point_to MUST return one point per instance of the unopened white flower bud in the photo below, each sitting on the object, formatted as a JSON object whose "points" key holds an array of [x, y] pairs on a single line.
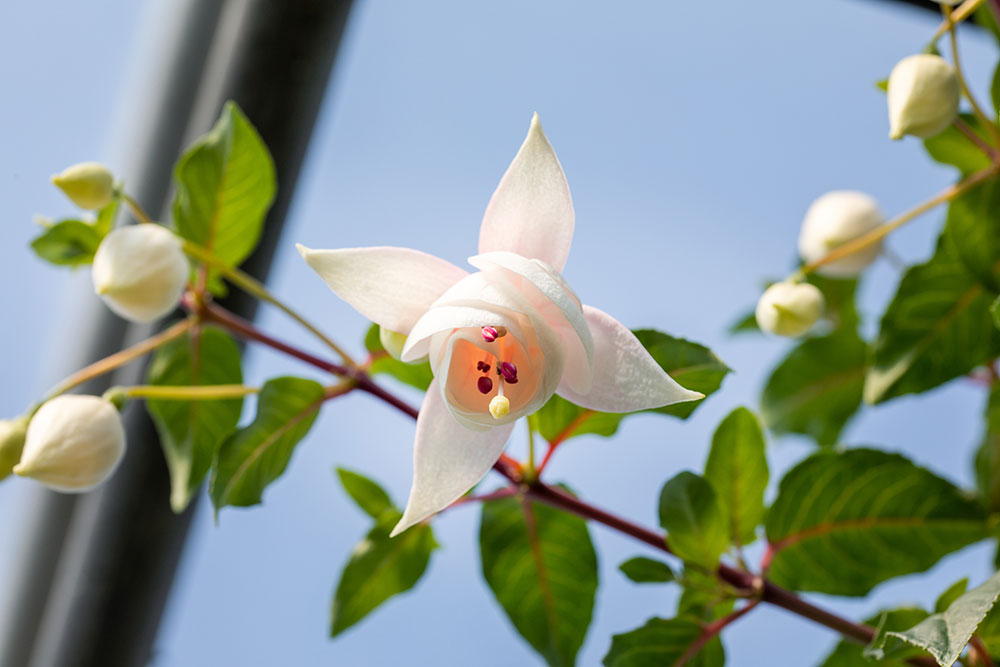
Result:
{"points": [[140, 272], [392, 341], [89, 185], [11, 443], [831, 221], [789, 309], [73, 443], [923, 96]]}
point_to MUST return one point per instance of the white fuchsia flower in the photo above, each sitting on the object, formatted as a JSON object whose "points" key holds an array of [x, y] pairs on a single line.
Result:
{"points": [[789, 309], [73, 443], [140, 272], [500, 341]]}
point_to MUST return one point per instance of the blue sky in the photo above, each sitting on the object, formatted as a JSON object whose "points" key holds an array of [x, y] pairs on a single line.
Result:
{"points": [[693, 141]]}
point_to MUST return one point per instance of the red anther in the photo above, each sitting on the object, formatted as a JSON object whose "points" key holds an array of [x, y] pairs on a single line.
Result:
{"points": [[490, 334], [508, 371], [485, 385]]}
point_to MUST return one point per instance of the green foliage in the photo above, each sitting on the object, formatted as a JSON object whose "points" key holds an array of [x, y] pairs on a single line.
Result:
{"points": [[67, 243], [845, 521], [945, 634], [191, 432], [987, 461], [703, 596], [818, 387], [849, 654], [936, 328], [380, 567], [225, 184], [692, 365], [745, 324], [995, 89], [951, 594], [737, 469], [257, 454], [643, 570], [953, 148], [541, 566], [696, 523], [660, 643], [368, 495], [973, 230], [415, 375]]}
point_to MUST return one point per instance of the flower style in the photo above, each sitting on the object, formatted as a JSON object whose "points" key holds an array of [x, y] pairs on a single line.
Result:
{"points": [[500, 341]]}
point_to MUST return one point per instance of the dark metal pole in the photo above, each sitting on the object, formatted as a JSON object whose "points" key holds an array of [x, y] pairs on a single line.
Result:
{"points": [[98, 568]]}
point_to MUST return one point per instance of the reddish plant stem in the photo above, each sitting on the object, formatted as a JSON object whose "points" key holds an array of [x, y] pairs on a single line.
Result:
{"points": [[979, 651], [713, 629], [974, 137], [563, 436], [511, 469]]}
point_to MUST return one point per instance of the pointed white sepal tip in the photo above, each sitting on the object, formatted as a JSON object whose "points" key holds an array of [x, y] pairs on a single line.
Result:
{"points": [[303, 250]]}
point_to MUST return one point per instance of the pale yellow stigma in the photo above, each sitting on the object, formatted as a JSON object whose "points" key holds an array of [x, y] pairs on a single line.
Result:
{"points": [[500, 407]]}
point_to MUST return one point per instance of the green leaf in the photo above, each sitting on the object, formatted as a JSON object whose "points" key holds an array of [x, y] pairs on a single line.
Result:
{"points": [[643, 570], [694, 366], [849, 654], [106, 218], [987, 461], [953, 148], [937, 328], [973, 230], [817, 388], [225, 184], [845, 521], [541, 566], [944, 635], [257, 454], [745, 324], [380, 567], [737, 469], [995, 89], [368, 495], [662, 643], [67, 243], [695, 521], [415, 375], [995, 312], [703, 596], [953, 592], [192, 431]]}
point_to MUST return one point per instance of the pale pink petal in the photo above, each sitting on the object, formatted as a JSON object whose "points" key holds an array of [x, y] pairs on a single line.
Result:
{"points": [[549, 293], [390, 286], [448, 459], [626, 377], [531, 212]]}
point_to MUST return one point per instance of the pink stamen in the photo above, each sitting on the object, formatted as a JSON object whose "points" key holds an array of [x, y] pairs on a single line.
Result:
{"points": [[508, 371], [483, 366], [490, 334], [485, 385]]}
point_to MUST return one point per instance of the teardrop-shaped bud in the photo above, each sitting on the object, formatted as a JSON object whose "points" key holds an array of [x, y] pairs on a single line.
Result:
{"points": [[831, 221], [789, 309], [923, 95], [12, 433], [140, 272], [89, 185], [392, 341], [73, 443]]}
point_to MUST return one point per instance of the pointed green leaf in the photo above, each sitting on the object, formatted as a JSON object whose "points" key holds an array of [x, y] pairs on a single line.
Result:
{"points": [[745, 324], [541, 566], [845, 521], [945, 634], [737, 469], [67, 243], [415, 375], [973, 230], [192, 431], [953, 592], [987, 462], [692, 365], [380, 567], [818, 387], [646, 570], [849, 654], [662, 643], [696, 524], [937, 328], [257, 454], [953, 148], [703, 596], [369, 496], [225, 184]]}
